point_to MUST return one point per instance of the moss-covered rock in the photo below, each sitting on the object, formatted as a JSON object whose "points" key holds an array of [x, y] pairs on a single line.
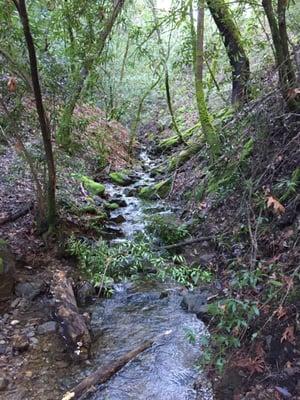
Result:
{"points": [[92, 186], [159, 190], [111, 206], [120, 178]]}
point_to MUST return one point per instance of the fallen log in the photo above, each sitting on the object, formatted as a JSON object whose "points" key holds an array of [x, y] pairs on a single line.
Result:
{"points": [[103, 374], [73, 324], [187, 242], [14, 216]]}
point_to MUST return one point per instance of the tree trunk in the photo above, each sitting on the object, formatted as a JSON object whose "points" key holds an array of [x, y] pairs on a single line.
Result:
{"points": [[44, 123], [287, 77], [209, 132], [235, 50], [64, 131]]}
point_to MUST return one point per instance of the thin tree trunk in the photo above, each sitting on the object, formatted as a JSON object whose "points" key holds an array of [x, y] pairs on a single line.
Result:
{"points": [[44, 123], [64, 132], [209, 132], [290, 73], [235, 50]]}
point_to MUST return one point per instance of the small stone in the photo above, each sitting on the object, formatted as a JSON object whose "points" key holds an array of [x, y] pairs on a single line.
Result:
{"points": [[3, 383], [14, 322], [20, 343], [61, 364], [34, 340], [29, 290], [3, 349], [15, 303], [47, 327], [28, 374]]}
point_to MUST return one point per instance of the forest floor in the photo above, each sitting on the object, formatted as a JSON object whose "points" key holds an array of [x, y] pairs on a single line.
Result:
{"points": [[254, 254]]}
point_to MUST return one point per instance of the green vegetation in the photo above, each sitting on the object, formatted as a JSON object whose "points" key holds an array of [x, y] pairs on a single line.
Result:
{"points": [[92, 186]]}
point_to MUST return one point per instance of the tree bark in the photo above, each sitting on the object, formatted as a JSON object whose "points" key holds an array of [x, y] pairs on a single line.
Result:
{"points": [[73, 324], [211, 136], [44, 123], [287, 77], [235, 50]]}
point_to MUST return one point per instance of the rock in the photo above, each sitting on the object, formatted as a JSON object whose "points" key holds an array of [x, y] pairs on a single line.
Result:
{"points": [[3, 383], [119, 219], [7, 271], [206, 259], [121, 178], [30, 290], [47, 327], [130, 192], [3, 349], [120, 202], [92, 186], [20, 343], [84, 293], [196, 303]]}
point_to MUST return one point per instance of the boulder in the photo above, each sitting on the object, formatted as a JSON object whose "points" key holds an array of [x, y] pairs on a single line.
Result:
{"points": [[7, 271]]}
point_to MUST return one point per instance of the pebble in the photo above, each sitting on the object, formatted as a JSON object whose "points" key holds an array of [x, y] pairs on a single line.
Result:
{"points": [[14, 322], [20, 343]]}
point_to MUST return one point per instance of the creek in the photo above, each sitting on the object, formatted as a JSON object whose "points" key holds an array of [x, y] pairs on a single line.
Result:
{"points": [[144, 310]]}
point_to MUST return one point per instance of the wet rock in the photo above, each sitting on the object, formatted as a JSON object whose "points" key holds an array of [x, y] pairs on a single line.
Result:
{"points": [[119, 219], [7, 271], [20, 343], [47, 327], [29, 290], [130, 192], [196, 303], [85, 292], [3, 383], [120, 202]]}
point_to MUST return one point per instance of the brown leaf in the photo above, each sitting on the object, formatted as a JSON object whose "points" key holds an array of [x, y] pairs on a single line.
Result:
{"points": [[280, 312], [12, 84], [289, 335], [293, 93], [276, 205]]}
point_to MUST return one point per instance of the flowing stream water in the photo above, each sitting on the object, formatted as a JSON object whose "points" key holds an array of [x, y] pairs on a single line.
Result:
{"points": [[141, 311]]}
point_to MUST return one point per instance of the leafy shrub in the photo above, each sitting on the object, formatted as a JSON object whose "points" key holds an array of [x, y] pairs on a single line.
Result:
{"points": [[167, 229]]}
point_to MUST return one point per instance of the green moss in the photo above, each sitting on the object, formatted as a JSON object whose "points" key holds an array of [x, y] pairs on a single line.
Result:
{"points": [[92, 186], [119, 178], [184, 156], [147, 193], [160, 189], [111, 206], [89, 209], [174, 140]]}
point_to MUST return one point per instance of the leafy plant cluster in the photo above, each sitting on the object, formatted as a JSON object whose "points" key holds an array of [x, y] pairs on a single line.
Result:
{"points": [[167, 229], [103, 264]]}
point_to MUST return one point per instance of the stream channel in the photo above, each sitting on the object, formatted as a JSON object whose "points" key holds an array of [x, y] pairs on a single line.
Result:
{"points": [[141, 311]]}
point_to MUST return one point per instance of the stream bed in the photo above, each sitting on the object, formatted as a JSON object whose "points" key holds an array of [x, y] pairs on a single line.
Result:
{"points": [[144, 310]]}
